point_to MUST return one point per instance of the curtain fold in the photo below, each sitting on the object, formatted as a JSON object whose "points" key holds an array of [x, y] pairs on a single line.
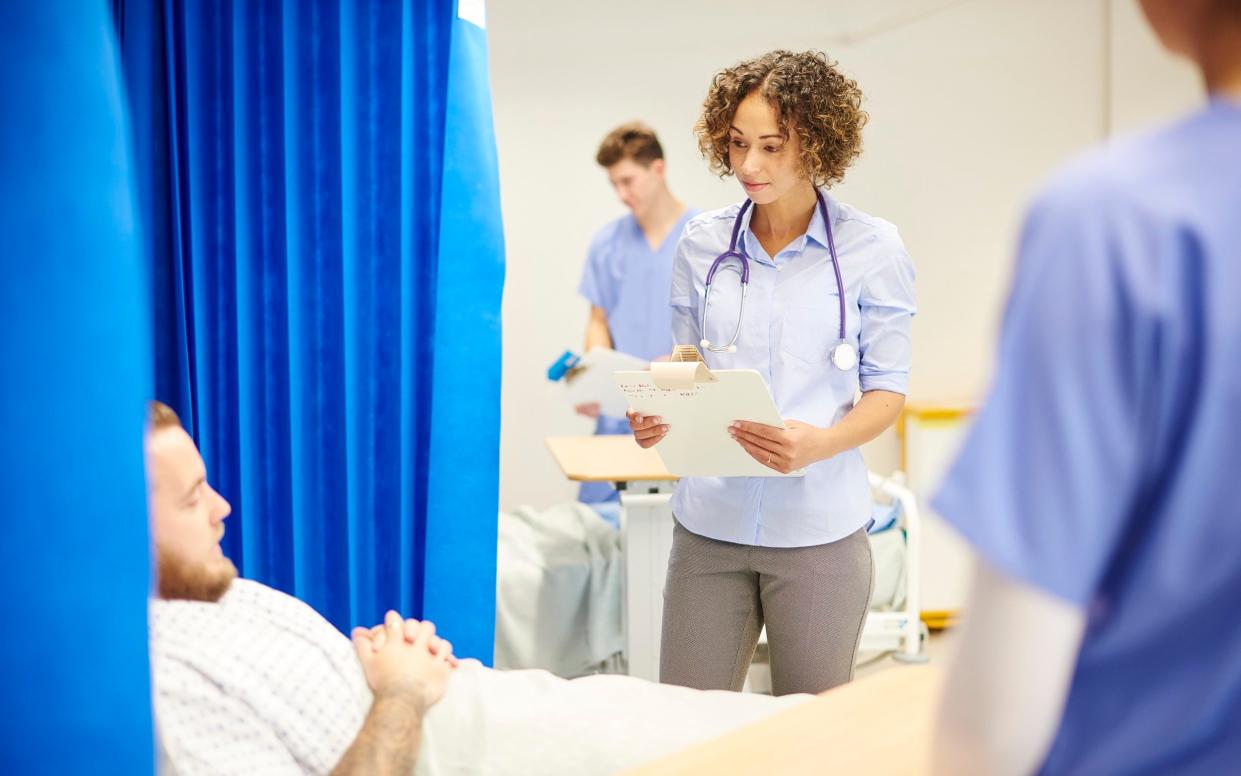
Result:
{"points": [[467, 323], [295, 184]]}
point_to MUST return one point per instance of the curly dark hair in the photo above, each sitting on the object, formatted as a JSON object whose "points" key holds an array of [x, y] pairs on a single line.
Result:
{"points": [[809, 95]]}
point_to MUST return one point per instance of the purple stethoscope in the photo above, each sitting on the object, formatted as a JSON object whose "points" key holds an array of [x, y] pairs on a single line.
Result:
{"points": [[844, 355]]}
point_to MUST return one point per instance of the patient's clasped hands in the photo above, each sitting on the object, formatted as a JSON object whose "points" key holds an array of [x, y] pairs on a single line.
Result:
{"points": [[404, 658]]}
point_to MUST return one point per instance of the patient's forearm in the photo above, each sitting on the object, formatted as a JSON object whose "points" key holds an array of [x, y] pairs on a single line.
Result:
{"points": [[389, 739]]}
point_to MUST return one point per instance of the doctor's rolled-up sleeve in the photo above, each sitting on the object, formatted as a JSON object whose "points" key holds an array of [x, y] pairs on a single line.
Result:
{"points": [[887, 305]]}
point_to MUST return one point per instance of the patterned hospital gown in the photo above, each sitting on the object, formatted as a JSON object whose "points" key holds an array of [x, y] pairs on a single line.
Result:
{"points": [[257, 683]]}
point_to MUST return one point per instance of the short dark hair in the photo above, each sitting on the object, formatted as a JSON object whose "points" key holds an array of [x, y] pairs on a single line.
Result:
{"points": [[634, 140], [160, 416]]}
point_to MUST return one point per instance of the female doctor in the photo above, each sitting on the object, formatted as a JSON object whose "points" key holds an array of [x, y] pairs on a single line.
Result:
{"points": [[828, 302]]}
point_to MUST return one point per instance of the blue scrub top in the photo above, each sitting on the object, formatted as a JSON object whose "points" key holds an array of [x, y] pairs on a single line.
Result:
{"points": [[791, 324], [1102, 467], [630, 282]]}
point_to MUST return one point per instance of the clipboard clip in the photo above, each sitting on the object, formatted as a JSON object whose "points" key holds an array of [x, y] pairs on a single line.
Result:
{"points": [[686, 369], [682, 353]]}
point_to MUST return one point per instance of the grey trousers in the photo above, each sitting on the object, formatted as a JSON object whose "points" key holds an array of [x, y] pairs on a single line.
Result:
{"points": [[718, 595]]}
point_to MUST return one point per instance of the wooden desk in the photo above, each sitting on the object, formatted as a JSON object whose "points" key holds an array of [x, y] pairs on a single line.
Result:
{"points": [[608, 458], [646, 531], [878, 725]]}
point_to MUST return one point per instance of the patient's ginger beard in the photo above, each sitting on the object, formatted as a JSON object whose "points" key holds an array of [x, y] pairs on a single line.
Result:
{"points": [[182, 580]]}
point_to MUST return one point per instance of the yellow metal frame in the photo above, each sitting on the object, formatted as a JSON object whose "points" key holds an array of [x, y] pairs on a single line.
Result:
{"points": [[940, 619], [928, 413], [931, 414]]}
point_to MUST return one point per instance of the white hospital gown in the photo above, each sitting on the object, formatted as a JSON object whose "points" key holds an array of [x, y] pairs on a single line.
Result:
{"points": [[258, 683]]}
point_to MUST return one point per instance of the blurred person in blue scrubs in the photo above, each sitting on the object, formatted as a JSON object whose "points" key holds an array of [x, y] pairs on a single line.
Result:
{"points": [[1098, 482], [790, 554], [629, 267]]}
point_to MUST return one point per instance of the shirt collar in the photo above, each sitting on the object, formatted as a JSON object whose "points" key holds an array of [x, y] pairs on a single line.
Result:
{"points": [[817, 230]]}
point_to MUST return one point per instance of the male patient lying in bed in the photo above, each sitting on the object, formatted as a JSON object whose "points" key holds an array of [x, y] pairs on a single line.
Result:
{"points": [[250, 680]]}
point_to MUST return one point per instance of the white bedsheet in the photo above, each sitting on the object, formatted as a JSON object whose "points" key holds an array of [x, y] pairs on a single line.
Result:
{"points": [[888, 549], [558, 590], [528, 723]]}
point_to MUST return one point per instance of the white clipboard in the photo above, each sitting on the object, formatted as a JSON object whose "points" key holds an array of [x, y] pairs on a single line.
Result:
{"points": [[699, 405], [591, 380]]}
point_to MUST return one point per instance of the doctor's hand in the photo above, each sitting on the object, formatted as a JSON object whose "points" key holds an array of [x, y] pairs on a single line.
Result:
{"points": [[589, 409], [397, 667], [782, 449], [647, 429]]}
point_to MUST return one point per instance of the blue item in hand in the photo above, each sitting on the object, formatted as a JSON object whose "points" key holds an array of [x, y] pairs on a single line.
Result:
{"points": [[562, 366]]}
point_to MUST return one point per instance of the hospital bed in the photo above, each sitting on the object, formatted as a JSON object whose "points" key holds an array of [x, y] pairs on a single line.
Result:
{"points": [[646, 540], [892, 626], [897, 626]]}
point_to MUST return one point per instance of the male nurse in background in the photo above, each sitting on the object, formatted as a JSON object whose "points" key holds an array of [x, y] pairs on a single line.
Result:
{"points": [[628, 270]]}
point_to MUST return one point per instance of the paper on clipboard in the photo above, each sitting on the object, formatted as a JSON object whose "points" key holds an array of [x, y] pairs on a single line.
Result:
{"points": [[699, 413], [591, 380]]}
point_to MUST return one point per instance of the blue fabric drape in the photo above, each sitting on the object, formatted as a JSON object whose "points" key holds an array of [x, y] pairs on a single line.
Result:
{"points": [[470, 232], [312, 324], [75, 374]]}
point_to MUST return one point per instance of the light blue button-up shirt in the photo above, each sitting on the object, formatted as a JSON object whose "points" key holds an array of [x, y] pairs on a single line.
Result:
{"points": [[792, 322]]}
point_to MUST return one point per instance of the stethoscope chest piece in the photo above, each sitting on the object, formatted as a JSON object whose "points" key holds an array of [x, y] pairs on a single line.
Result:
{"points": [[844, 356]]}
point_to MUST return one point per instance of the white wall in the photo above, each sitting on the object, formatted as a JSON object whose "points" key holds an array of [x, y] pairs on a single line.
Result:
{"points": [[972, 103]]}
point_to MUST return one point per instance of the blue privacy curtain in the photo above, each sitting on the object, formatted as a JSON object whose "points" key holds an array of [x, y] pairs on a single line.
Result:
{"points": [[319, 183], [75, 373]]}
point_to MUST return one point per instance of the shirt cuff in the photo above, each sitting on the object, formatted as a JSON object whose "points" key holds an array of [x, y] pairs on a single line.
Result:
{"points": [[896, 382]]}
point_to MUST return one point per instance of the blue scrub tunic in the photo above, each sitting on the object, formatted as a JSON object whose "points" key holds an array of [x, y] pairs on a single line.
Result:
{"points": [[630, 282], [1101, 468]]}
